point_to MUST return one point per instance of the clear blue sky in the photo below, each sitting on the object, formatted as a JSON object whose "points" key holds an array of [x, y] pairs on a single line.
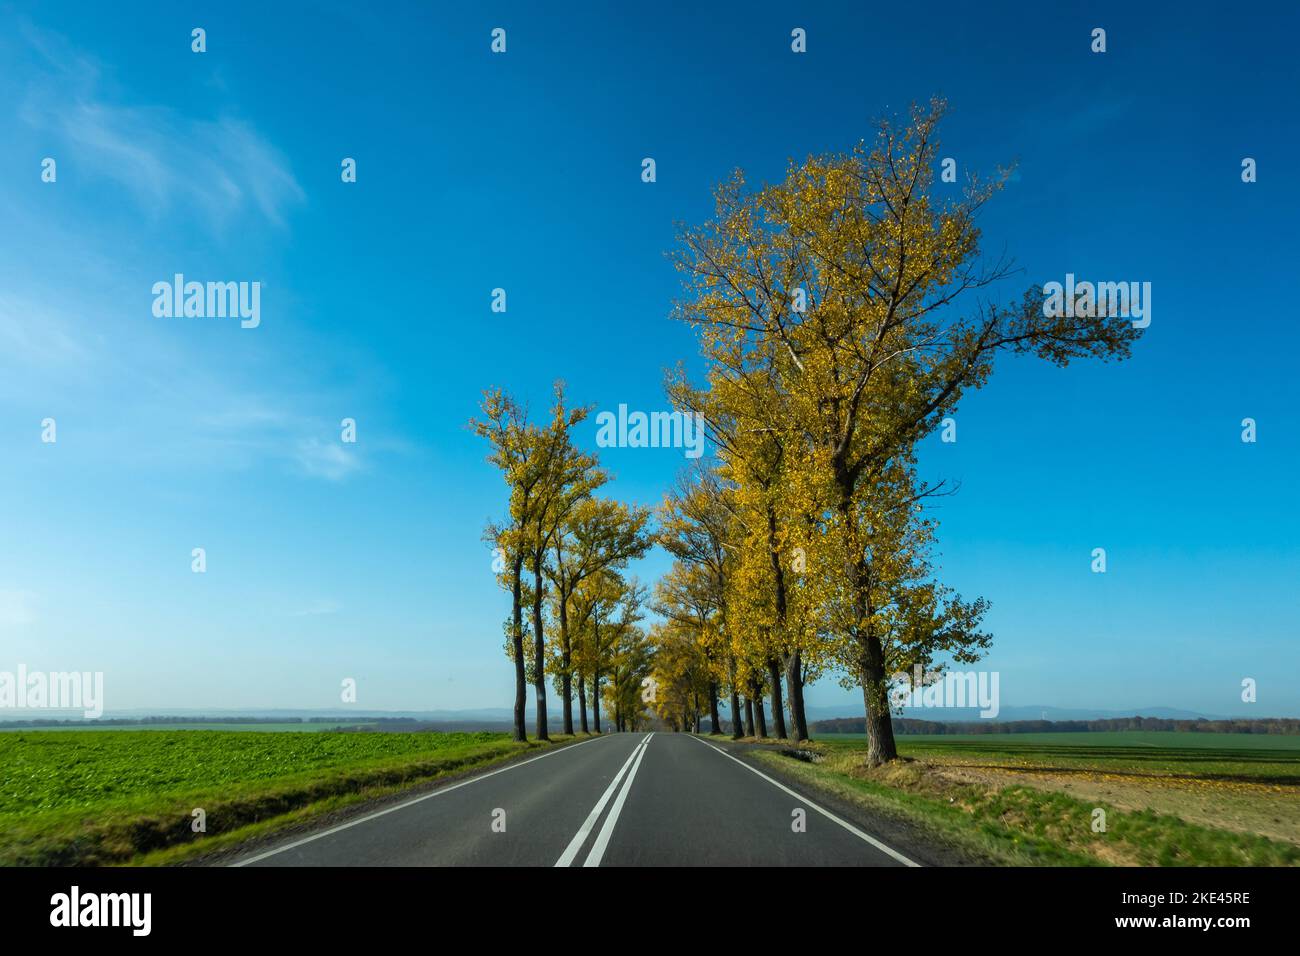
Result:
{"points": [[475, 171]]}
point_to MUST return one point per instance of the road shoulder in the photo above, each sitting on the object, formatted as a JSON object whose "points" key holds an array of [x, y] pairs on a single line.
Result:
{"points": [[891, 826]]}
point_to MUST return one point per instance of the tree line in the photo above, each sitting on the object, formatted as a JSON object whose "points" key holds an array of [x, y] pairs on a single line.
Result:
{"points": [[561, 552], [842, 314]]}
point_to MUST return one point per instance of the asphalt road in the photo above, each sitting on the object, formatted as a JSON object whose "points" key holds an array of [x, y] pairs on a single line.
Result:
{"points": [[619, 800]]}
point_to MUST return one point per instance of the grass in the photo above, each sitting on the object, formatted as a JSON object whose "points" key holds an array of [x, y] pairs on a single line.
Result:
{"points": [[286, 727], [1171, 799], [99, 797]]}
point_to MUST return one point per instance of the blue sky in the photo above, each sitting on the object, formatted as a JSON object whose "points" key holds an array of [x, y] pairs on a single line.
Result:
{"points": [[522, 171]]}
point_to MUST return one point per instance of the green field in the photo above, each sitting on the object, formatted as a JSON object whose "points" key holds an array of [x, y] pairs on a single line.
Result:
{"points": [[287, 726], [1169, 798], [91, 797]]}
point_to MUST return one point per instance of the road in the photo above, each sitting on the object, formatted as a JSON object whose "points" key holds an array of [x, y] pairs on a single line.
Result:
{"points": [[647, 799]]}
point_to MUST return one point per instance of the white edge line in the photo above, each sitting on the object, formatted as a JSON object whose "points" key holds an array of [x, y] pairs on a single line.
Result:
{"points": [[580, 837], [826, 813], [602, 839], [402, 806]]}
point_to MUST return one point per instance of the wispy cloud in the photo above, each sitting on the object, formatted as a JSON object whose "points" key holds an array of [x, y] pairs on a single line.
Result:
{"points": [[330, 460], [318, 609], [37, 344], [218, 166], [17, 608]]}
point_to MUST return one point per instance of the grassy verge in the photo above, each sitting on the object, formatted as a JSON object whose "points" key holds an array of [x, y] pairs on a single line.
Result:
{"points": [[103, 798], [1018, 824]]}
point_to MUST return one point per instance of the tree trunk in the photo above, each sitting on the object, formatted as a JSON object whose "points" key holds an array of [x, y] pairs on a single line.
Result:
{"points": [[716, 727], [758, 715], [794, 694], [778, 579], [539, 652], [582, 701], [749, 716], [595, 700], [881, 747], [566, 679], [517, 645], [778, 710], [875, 688], [737, 729]]}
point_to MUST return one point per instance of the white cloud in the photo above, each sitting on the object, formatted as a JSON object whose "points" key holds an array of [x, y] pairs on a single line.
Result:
{"points": [[218, 166], [17, 608], [330, 460]]}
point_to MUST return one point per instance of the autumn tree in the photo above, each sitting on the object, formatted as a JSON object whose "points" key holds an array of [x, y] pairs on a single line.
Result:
{"points": [[697, 526], [859, 293], [681, 676], [685, 598], [546, 476], [606, 605], [594, 536], [623, 653]]}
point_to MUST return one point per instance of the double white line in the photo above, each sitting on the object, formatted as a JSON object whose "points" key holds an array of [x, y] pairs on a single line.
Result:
{"points": [[607, 830]]}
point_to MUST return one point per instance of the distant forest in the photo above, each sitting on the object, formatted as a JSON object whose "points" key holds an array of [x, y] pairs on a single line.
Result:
{"points": [[909, 725]]}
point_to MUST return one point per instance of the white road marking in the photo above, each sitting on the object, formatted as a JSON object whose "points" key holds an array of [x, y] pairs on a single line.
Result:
{"points": [[602, 839], [402, 806], [579, 838], [826, 813]]}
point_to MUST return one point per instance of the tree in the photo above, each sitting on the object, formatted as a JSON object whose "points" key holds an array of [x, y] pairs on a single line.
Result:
{"points": [[848, 289], [681, 676], [545, 474], [596, 535], [605, 605], [697, 526], [683, 598]]}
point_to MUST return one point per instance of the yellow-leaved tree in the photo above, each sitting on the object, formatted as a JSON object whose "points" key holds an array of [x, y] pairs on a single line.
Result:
{"points": [[850, 300]]}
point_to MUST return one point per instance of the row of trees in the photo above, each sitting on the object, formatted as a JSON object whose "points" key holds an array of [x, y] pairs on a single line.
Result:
{"points": [[561, 552], [842, 314]]}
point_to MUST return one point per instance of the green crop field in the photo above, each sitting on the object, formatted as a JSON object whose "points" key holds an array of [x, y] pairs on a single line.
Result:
{"points": [[110, 796], [285, 727]]}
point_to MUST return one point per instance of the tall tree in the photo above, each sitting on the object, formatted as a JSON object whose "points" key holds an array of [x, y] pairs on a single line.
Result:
{"points": [[545, 475], [859, 293], [684, 597], [698, 528], [595, 535]]}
